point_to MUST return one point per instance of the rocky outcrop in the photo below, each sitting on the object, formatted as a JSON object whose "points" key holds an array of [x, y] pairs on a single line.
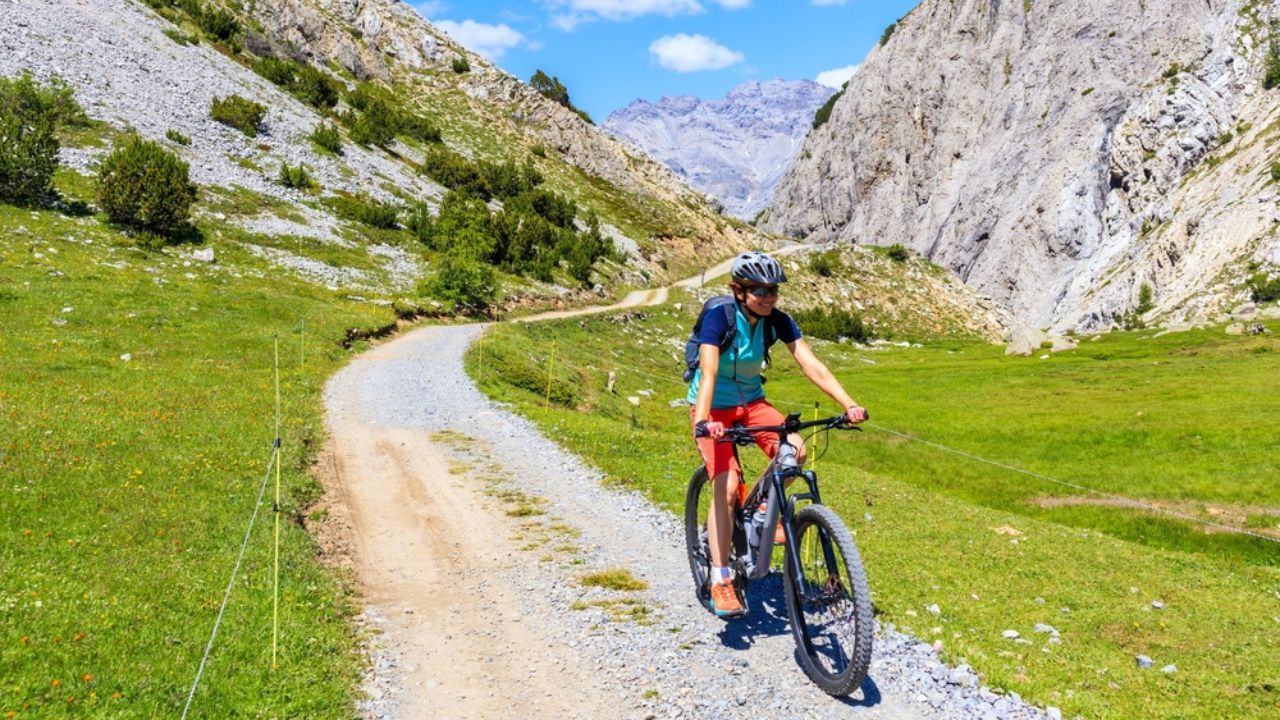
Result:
{"points": [[388, 40], [1056, 156], [734, 149]]}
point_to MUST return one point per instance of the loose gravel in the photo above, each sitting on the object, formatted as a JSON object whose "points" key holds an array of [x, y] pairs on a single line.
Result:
{"points": [[686, 663]]}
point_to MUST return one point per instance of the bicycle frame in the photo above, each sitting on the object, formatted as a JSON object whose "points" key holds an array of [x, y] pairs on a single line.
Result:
{"points": [[780, 505]]}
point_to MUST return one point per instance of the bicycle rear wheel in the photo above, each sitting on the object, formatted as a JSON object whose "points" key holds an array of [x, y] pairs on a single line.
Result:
{"points": [[697, 503], [828, 602]]}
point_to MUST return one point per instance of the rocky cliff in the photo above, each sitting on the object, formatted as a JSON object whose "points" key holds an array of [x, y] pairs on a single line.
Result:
{"points": [[734, 149], [1058, 156]]}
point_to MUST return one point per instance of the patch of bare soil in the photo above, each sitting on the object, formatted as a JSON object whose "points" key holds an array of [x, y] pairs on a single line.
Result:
{"points": [[1234, 516]]}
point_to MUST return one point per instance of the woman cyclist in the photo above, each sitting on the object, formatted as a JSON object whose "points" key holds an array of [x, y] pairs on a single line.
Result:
{"points": [[727, 389]]}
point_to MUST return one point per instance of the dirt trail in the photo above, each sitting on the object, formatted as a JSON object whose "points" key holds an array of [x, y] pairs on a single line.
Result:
{"points": [[441, 572], [428, 551]]}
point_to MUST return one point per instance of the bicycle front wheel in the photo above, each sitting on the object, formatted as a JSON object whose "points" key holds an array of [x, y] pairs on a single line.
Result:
{"points": [[828, 601]]}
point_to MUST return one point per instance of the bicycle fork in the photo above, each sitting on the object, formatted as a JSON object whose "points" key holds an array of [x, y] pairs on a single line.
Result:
{"points": [[779, 505]]}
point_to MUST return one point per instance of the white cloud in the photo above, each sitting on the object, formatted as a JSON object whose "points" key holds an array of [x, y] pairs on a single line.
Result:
{"points": [[733, 4], [430, 8], [491, 41], [572, 13], [836, 77], [691, 53]]}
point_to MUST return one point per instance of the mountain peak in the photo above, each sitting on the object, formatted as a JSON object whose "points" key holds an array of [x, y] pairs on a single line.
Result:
{"points": [[734, 148]]}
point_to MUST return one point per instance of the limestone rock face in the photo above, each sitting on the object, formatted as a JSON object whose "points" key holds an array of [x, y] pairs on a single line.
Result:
{"points": [[1057, 156], [734, 149]]}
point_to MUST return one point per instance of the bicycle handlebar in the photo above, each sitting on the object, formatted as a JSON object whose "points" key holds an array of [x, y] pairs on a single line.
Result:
{"points": [[791, 425]]}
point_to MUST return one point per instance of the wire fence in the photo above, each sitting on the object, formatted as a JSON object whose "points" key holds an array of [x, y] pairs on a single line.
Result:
{"points": [[593, 361], [273, 463]]}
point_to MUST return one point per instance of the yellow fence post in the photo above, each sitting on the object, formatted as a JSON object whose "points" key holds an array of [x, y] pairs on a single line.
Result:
{"points": [[814, 450], [550, 369]]}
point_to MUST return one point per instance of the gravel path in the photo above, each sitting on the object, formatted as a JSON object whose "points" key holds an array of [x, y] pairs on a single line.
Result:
{"points": [[685, 664]]}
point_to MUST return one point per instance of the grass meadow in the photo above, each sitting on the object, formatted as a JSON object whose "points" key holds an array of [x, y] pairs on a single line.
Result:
{"points": [[1183, 421], [136, 396]]}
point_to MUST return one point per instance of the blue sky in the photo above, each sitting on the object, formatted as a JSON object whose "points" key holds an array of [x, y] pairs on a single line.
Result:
{"points": [[610, 52]]}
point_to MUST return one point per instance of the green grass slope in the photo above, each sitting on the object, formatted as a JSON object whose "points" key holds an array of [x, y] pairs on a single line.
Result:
{"points": [[1179, 420], [137, 398]]}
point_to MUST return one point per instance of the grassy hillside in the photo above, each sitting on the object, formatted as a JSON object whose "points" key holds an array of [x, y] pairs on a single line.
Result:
{"points": [[1177, 420], [136, 392]]}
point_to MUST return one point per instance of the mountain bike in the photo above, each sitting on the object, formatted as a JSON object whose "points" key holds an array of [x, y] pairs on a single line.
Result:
{"points": [[828, 601]]}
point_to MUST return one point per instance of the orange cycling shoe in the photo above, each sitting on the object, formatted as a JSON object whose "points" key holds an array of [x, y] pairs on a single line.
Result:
{"points": [[724, 600]]}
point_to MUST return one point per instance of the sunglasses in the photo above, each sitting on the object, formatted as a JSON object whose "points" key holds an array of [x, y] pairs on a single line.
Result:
{"points": [[763, 291]]}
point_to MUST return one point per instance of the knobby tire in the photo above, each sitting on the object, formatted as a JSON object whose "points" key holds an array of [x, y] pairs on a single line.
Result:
{"points": [[833, 629]]}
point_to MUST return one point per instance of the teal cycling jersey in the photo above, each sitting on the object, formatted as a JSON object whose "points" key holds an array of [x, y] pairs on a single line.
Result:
{"points": [[738, 380]]}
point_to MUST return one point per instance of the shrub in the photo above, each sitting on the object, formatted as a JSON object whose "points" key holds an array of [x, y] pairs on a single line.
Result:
{"points": [[327, 137], [1144, 299], [29, 117], [240, 113], [376, 124], [1263, 288], [455, 172], [218, 23], [539, 150], [281, 72], [460, 65], [823, 114], [1271, 78], [316, 88], [833, 324], [462, 281], [826, 263], [551, 88], [144, 186], [1275, 172], [507, 180], [296, 177], [421, 222], [897, 253], [364, 209], [418, 128], [177, 137], [888, 32]]}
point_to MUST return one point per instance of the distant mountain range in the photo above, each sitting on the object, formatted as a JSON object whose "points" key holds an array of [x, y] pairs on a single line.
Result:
{"points": [[735, 149]]}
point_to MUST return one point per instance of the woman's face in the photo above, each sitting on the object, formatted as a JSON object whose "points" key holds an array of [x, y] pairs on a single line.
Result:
{"points": [[760, 299]]}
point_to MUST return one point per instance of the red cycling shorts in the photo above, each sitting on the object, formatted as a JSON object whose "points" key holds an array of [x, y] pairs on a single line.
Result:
{"points": [[718, 456]]}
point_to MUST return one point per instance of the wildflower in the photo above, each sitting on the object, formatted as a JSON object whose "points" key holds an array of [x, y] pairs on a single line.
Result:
{"points": [[88, 678], [25, 639], [115, 696], [55, 682]]}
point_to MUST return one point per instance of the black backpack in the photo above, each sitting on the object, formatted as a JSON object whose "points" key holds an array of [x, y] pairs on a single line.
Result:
{"points": [[729, 306]]}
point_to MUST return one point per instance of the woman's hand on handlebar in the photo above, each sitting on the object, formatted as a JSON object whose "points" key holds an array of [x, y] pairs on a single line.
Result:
{"points": [[708, 428], [856, 414]]}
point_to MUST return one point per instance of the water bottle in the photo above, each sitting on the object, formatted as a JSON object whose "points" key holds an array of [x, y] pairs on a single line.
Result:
{"points": [[756, 530]]}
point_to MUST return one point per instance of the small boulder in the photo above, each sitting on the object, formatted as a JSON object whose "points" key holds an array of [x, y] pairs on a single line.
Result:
{"points": [[1169, 669], [1235, 329], [1009, 634], [204, 255], [1144, 662], [1157, 604], [1064, 342], [1247, 311], [1024, 341]]}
